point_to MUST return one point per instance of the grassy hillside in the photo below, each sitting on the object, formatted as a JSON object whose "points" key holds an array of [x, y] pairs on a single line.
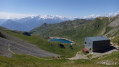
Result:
{"points": [[113, 30], [55, 47], [75, 30], [30, 61], [115, 40], [114, 27]]}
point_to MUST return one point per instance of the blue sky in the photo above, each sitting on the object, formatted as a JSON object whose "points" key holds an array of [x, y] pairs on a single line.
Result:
{"points": [[75, 8]]}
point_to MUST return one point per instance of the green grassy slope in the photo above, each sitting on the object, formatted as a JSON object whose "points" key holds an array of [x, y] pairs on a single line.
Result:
{"points": [[116, 40], [30, 61], [75, 30], [54, 47]]}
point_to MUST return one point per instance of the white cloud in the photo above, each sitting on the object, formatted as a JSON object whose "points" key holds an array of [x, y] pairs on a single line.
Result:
{"points": [[112, 14], [91, 16], [51, 16], [105, 15], [6, 15]]}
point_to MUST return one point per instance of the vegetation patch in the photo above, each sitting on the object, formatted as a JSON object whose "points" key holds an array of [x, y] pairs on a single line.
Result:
{"points": [[116, 40], [31, 61]]}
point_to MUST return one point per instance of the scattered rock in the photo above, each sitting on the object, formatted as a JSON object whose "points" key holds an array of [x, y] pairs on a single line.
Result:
{"points": [[107, 62]]}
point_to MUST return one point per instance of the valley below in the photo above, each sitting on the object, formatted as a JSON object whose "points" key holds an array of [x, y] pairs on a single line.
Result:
{"points": [[35, 49]]}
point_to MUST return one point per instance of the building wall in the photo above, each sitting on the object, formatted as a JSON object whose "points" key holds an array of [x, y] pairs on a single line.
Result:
{"points": [[93, 46], [100, 45], [88, 44]]}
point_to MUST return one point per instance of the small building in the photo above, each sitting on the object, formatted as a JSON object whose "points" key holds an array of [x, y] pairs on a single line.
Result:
{"points": [[98, 43]]}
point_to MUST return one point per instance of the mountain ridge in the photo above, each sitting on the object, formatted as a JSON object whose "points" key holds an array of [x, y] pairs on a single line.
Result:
{"points": [[75, 30], [28, 23]]}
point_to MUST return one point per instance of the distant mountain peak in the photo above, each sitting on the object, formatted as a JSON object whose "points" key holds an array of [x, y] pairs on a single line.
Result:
{"points": [[51, 17], [30, 22]]}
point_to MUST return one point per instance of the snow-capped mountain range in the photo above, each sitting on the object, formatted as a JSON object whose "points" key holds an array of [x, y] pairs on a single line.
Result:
{"points": [[24, 22], [28, 23]]}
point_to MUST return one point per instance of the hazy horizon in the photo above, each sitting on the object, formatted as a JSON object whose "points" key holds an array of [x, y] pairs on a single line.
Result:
{"points": [[64, 8]]}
